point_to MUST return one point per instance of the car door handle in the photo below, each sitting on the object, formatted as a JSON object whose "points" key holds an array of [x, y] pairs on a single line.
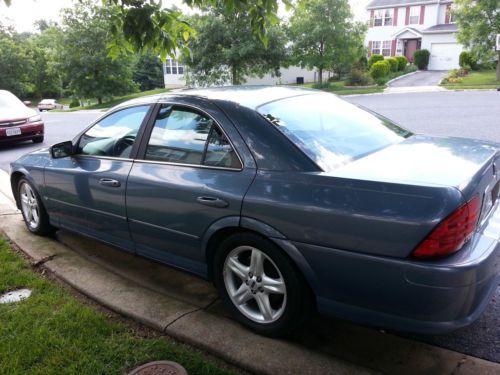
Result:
{"points": [[109, 182], [212, 202]]}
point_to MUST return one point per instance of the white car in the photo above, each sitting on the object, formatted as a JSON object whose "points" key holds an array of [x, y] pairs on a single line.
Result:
{"points": [[48, 104]]}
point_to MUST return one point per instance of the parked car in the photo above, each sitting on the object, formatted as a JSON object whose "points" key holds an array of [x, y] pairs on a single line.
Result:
{"points": [[48, 104], [287, 199], [17, 121]]}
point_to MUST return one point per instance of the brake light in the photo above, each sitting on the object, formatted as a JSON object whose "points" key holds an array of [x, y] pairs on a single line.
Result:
{"points": [[452, 233]]}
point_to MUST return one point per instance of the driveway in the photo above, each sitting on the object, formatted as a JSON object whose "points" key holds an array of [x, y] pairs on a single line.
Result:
{"points": [[420, 78]]}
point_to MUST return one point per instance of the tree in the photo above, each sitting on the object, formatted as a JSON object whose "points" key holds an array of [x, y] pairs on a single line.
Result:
{"points": [[14, 66], [324, 35], [146, 25], [478, 23], [90, 72], [148, 72], [225, 49]]}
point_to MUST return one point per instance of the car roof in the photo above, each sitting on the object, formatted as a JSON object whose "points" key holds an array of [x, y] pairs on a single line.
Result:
{"points": [[248, 96]]}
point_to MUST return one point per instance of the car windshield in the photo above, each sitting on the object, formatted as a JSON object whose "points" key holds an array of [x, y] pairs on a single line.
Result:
{"points": [[329, 130], [8, 100]]}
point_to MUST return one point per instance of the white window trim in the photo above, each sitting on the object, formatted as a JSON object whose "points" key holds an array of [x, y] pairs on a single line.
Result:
{"points": [[417, 10], [391, 16], [380, 49]]}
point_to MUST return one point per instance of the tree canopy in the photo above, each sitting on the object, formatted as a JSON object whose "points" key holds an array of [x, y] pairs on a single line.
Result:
{"points": [[324, 36], [478, 24], [225, 49]]}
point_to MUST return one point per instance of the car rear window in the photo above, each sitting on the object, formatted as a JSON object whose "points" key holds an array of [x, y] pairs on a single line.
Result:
{"points": [[329, 130]]}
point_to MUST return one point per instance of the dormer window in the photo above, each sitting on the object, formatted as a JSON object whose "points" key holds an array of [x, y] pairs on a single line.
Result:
{"points": [[388, 16], [414, 15]]}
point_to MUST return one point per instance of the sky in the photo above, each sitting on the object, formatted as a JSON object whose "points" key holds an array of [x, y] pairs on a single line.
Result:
{"points": [[23, 13]]}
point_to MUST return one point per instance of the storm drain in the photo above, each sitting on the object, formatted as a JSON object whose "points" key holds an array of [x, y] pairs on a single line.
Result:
{"points": [[15, 296], [159, 368]]}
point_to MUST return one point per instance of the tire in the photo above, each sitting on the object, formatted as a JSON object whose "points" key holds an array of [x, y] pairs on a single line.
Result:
{"points": [[34, 214], [38, 139], [260, 285]]}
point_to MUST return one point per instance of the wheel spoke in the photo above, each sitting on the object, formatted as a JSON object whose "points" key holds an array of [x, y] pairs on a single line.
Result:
{"points": [[24, 199], [264, 305], [242, 295], [237, 268], [34, 215], [275, 286], [257, 262]]}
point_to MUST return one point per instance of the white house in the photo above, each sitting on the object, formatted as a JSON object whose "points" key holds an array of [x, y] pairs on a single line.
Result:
{"points": [[173, 76], [400, 27]]}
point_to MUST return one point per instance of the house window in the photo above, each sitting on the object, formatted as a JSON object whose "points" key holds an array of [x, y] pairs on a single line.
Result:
{"points": [[414, 15], [378, 17], [451, 17], [173, 67], [386, 48], [388, 17], [376, 47]]}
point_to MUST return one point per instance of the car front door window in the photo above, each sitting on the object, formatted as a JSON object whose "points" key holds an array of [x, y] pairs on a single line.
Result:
{"points": [[114, 135]]}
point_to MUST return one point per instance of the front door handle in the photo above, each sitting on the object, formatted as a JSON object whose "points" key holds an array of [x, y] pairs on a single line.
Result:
{"points": [[109, 182], [212, 202]]}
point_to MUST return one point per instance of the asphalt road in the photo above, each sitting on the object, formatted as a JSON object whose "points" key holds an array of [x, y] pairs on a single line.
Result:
{"points": [[59, 127], [420, 78], [461, 114]]}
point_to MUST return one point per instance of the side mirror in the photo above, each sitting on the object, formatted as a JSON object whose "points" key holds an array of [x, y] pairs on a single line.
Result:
{"points": [[62, 150]]}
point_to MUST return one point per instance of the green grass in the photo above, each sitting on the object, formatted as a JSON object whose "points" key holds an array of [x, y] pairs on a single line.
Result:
{"points": [[119, 99], [485, 79], [339, 88], [52, 332]]}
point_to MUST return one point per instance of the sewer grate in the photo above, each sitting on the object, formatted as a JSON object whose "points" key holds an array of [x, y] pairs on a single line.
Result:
{"points": [[159, 368], [15, 296]]}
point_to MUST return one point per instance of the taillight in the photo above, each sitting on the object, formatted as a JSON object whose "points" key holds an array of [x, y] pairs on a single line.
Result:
{"points": [[452, 233]]}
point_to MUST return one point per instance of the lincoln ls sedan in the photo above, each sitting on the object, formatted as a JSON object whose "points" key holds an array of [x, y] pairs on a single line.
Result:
{"points": [[288, 199]]}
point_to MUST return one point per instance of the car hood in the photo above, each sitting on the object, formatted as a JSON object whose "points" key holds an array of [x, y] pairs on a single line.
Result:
{"points": [[423, 160], [16, 113]]}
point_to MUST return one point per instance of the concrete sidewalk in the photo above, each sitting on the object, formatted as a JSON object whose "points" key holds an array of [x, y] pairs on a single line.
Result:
{"points": [[188, 308]]}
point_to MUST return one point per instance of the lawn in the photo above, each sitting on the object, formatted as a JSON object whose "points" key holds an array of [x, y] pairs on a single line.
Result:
{"points": [[339, 88], [53, 332], [485, 79]]}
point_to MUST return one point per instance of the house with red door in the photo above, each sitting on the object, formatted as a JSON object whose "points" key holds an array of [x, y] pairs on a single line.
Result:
{"points": [[400, 27]]}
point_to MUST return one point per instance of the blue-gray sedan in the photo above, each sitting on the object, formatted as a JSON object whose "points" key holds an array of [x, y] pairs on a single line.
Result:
{"points": [[287, 199]]}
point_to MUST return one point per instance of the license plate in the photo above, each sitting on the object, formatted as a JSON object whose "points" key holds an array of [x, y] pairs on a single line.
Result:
{"points": [[13, 131]]}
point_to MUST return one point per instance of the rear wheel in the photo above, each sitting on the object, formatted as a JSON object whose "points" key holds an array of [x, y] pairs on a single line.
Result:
{"points": [[38, 139], [34, 214], [260, 285]]}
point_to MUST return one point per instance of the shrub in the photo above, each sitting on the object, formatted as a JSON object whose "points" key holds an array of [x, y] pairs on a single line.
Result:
{"points": [[74, 103], [466, 60], [358, 77], [393, 63], [421, 58], [402, 62], [380, 69], [373, 59]]}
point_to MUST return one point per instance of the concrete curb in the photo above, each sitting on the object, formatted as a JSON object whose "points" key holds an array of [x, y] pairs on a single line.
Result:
{"points": [[403, 76], [188, 309]]}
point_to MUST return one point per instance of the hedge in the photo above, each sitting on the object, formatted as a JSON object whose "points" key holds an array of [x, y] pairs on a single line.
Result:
{"points": [[373, 59], [402, 62], [380, 69], [393, 63], [421, 58]]}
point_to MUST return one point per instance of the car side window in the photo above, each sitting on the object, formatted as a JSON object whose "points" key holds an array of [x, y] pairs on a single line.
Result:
{"points": [[115, 134], [188, 137]]}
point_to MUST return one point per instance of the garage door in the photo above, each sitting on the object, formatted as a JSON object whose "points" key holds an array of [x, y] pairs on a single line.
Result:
{"points": [[444, 56]]}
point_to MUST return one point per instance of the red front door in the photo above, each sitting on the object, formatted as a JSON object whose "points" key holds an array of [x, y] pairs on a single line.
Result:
{"points": [[411, 45]]}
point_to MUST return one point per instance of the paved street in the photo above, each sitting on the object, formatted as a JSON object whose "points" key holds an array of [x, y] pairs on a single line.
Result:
{"points": [[461, 114], [420, 78]]}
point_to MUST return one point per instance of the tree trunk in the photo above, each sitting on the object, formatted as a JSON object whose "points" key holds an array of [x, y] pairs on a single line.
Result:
{"points": [[99, 100], [320, 75], [498, 67], [234, 78]]}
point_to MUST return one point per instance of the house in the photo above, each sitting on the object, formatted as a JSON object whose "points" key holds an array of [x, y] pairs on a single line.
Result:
{"points": [[400, 27], [173, 76]]}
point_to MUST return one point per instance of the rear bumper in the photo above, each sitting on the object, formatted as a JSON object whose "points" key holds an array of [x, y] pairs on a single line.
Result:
{"points": [[406, 295], [28, 132]]}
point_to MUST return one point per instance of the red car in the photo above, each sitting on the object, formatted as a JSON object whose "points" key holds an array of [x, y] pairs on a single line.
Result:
{"points": [[18, 122]]}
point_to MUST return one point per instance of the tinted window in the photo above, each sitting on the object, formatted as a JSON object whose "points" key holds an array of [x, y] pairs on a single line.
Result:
{"points": [[330, 131], [183, 136], [115, 134]]}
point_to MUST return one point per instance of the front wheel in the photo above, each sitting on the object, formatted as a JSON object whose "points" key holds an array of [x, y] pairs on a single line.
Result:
{"points": [[260, 286], [38, 139], [34, 214]]}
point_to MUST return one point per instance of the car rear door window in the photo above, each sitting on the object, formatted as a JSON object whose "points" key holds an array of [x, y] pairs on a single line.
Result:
{"points": [[115, 134], [185, 136]]}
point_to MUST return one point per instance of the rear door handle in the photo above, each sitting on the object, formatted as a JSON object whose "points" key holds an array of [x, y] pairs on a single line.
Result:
{"points": [[109, 182], [212, 202]]}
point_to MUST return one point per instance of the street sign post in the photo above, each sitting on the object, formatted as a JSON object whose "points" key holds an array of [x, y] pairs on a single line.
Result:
{"points": [[497, 44]]}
